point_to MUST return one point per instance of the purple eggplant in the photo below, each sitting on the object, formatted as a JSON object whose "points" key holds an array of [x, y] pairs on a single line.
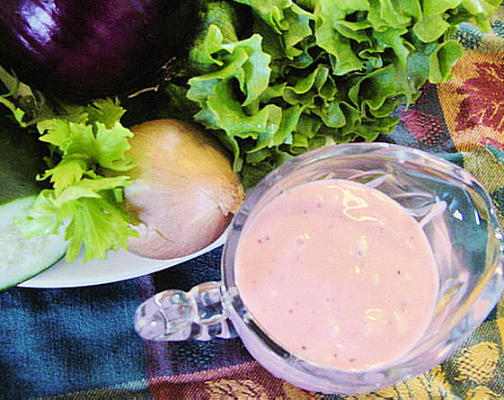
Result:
{"points": [[82, 49]]}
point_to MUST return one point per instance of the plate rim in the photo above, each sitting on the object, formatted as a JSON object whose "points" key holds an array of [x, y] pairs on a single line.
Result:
{"points": [[39, 282]]}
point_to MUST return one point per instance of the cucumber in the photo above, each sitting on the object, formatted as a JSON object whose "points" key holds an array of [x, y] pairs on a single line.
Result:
{"points": [[21, 159], [21, 258]]}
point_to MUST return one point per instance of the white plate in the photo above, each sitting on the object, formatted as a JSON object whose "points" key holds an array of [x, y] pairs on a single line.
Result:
{"points": [[118, 266]]}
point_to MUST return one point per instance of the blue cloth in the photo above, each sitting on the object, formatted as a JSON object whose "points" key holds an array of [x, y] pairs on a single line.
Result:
{"points": [[60, 341]]}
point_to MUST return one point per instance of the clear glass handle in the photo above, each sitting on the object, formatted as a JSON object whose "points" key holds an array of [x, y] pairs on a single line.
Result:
{"points": [[174, 315]]}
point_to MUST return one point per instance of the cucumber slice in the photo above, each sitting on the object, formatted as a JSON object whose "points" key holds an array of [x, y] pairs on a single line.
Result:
{"points": [[21, 258]]}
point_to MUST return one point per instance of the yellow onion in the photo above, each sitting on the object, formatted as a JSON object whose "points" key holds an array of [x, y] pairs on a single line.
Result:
{"points": [[184, 192]]}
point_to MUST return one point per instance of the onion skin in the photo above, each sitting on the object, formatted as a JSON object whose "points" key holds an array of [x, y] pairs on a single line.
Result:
{"points": [[184, 192], [83, 49]]}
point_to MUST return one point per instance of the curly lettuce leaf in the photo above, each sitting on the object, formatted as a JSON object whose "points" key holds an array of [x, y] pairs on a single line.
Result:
{"points": [[213, 12], [443, 59], [287, 19]]}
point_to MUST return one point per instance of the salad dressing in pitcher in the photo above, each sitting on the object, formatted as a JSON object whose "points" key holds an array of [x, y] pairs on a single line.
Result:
{"points": [[338, 273]]}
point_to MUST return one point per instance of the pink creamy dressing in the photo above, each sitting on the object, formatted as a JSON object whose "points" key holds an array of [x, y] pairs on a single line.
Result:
{"points": [[339, 274]]}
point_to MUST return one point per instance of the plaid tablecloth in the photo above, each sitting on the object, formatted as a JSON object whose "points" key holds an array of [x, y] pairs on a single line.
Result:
{"points": [[80, 343]]}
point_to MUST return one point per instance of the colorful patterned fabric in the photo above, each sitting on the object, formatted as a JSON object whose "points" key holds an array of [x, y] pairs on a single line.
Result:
{"points": [[80, 343]]}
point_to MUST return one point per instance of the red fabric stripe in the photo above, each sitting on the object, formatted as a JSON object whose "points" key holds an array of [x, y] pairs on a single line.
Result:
{"points": [[239, 382]]}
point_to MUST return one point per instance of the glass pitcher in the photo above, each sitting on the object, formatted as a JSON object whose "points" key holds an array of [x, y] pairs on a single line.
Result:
{"points": [[456, 215]]}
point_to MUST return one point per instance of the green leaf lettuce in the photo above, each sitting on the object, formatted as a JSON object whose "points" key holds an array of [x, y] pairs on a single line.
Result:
{"points": [[320, 71]]}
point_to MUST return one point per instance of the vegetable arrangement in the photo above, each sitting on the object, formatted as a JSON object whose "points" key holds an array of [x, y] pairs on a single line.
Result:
{"points": [[268, 79]]}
